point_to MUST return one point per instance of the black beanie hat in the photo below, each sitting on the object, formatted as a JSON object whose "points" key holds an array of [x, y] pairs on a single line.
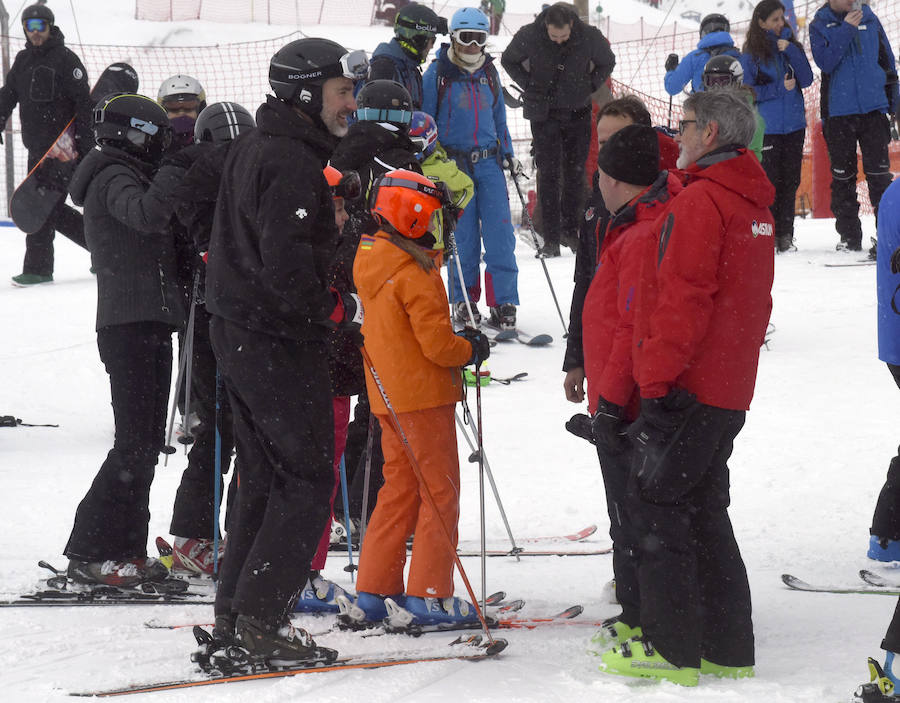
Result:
{"points": [[631, 155], [38, 12]]}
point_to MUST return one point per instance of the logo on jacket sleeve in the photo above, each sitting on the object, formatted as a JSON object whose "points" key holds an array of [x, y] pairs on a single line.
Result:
{"points": [[301, 213], [762, 229], [77, 74]]}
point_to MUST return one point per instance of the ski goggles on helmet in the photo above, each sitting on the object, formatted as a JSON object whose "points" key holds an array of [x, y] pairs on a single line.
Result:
{"points": [[439, 190], [467, 37], [36, 25], [349, 187], [718, 80], [354, 65]]}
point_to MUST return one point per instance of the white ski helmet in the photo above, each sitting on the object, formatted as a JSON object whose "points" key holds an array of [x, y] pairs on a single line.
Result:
{"points": [[179, 89]]}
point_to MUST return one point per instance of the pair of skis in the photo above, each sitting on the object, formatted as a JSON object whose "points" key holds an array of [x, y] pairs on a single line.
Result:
{"points": [[871, 583]]}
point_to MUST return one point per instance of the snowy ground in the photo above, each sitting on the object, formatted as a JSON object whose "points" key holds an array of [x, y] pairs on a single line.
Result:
{"points": [[806, 471]]}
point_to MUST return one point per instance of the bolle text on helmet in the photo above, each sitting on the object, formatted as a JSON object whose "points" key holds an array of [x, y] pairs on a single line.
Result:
{"points": [[426, 28], [762, 229]]}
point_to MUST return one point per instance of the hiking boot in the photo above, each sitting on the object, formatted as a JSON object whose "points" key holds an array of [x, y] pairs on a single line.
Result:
{"points": [[461, 314], [196, 556], [638, 658], [783, 244], [126, 573], [319, 595], [23, 280], [503, 316], [612, 633], [285, 643], [440, 611]]}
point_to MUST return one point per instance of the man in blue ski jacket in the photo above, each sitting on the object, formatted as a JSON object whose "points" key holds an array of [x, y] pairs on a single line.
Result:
{"points": [[859, 86], [463, 94], [714, 40]]}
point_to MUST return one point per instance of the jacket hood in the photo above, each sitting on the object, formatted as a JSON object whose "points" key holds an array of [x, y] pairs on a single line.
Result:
{"points": [[736, 169], [715, 39], [275, 117], [649, 204], [95, 161], [372, 272]]}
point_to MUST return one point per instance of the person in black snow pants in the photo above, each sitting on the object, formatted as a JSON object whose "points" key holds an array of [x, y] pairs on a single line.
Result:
{"points": [[273, 242], [126, 211], [50, 85]]}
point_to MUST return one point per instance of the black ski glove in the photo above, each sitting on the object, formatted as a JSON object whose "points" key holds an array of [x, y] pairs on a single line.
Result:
{"points": [[609, 428], [895, 261], [671, 62], [347, 315], [481, 346], [661, 418], [580, 426]]}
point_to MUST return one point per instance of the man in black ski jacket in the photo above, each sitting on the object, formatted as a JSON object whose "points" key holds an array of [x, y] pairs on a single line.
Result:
{"points": [[558, 60], [49, 84], [273, 240]]}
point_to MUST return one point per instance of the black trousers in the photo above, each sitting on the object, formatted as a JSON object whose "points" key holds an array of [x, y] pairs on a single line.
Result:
{"points": [[355, 461], [192, 515], [616, 469], [782, 158], [39, 245], [112, 519], [561, 145], [694, 593], [280, 395], [886, 520], [873, 133]]}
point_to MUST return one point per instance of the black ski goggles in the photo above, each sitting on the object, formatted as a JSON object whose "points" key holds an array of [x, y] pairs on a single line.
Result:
{"points": [[36, 25], [349, 187], [467, 37]]}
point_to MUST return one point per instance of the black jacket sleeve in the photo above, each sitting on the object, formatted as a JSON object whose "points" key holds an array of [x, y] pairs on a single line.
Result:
{"points": [[9, 96], [515, 56], [141, 207], [602, 57]]}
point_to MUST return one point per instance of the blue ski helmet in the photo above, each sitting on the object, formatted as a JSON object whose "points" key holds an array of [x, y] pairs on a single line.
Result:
{"points": [[469, 18], [423, 132]]}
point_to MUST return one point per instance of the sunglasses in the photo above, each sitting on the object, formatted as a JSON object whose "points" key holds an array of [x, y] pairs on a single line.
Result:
{"points": [[683, 124], [467, 37], [35, 25]]}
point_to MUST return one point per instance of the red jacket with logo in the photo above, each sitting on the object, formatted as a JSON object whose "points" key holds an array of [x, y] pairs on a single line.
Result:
{"points": [[608, 314], [706, 284]]}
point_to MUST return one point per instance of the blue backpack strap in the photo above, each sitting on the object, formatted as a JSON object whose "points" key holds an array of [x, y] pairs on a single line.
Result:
{"points": [[491, 77]]}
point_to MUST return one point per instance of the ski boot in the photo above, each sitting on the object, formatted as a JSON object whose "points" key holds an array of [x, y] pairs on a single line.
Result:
{"points": [[143, 573], [880, 688], [278, 647], [503, 317], [452, 612], [638, 658], [369, 610], [196, 556], [883, 549], [613, 632], [461, 314], [708, 668], [210, 654], [319, 595]]}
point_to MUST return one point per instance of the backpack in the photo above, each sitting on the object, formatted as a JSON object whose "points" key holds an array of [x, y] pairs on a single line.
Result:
{"points": [[491, 78]]}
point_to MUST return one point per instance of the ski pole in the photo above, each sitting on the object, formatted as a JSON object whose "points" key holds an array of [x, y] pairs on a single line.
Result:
{"points": [[187, 438], [527, 217], [454, 254], [183, 356], [669, 118], [516, 550], [217, 476], [350, 567], [370, 440], [495, 645]]}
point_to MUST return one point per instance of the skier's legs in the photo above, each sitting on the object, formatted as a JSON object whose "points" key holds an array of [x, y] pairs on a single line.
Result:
{"points": [[501, 271], [383, 554], [576, 141], [840, 138], [432, 436], [874, 138], [547, 138], [886, 520]]}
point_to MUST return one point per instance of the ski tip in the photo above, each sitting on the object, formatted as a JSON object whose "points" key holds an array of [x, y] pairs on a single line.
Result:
{"points": [[540, 340], [495, 598], [495, 647], [572, 612]]}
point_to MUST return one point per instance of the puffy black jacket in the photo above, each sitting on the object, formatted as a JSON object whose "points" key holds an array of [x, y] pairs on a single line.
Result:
{"points": [[126, 217], [274, 236], [557, 76], [50, 85]]}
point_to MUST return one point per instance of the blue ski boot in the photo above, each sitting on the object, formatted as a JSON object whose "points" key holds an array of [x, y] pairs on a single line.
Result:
{"points": [[368, 610], [440, 611], [319, 595], [883, 549]]}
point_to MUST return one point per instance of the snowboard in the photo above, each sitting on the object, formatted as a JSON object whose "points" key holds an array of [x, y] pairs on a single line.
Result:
{"points": [[46, 185]]}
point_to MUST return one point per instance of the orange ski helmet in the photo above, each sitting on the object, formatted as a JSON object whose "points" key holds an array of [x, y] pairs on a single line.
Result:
{"points": [[409, 202]]}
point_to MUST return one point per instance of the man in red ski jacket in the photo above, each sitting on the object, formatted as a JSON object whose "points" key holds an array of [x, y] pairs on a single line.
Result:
{"points": [[702, 312], [636, 193]]}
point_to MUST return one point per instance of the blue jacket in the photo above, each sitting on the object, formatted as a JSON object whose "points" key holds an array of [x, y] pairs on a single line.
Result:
{"points": [[852, 79], [888, 241], [390, 62], [471, 114], [691, 66], [783, 110]]}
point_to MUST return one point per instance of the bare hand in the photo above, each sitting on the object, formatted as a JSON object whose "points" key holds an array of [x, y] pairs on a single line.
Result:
{"points": [[789, 83], [783, 44], [574, 385], [854, 17]]}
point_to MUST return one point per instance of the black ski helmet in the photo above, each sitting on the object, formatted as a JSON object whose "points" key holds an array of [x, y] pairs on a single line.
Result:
{"points": [[38, 12], [714, 23], [133, 123], [723, 71], [298, 70], [415, 27], [385, 101], [222, 122]]}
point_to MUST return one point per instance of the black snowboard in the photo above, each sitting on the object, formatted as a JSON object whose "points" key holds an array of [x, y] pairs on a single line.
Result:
{"points": [[46, 185]]}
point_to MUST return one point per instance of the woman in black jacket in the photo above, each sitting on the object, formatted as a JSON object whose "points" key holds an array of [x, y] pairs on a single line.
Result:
{"points": [[126, 213]]}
